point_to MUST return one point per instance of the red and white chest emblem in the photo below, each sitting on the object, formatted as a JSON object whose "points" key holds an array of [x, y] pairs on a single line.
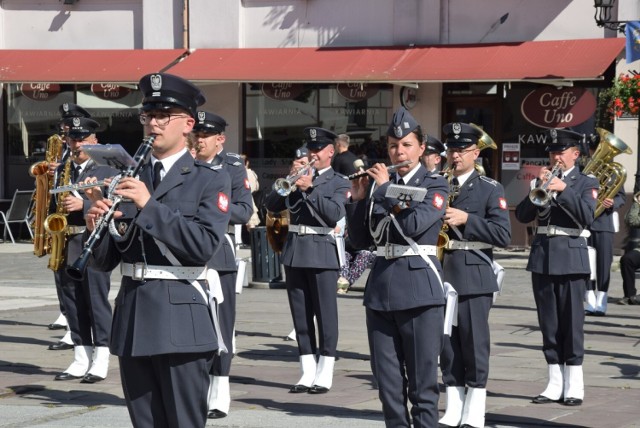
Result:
{"points": [[438, 201], [594, 193], [502, 202], [223, 202], [246, 184]]}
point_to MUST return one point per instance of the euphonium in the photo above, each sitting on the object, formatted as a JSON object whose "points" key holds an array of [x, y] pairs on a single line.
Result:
{"points": [[56, 224], [41, 197], [610, 175], [284, 186], [540, 196]]}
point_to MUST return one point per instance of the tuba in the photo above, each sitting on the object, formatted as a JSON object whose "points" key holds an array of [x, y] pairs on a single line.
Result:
{"points": [[41, 197], [56, 224], [611, 175]]}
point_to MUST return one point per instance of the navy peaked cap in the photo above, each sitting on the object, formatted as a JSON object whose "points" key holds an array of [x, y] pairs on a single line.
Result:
{"points": [[402, 124], [433, 145], [82, 127], [460, 135], [318, 138], [165, 91], [559, 140], [209, 123], [70, 110]]}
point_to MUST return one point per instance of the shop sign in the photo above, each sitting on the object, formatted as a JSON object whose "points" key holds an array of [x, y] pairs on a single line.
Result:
{"points": [[558, 108], [40, 91], [358, 91], [282, 91], [109, 91]]}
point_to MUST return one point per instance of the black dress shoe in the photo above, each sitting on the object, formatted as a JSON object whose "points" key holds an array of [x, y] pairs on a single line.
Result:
{"points": [[60, 346], [572, 402], [297, 389], [91, 378], [541, 399], [53, 326], [589, 313], [315, 389], [599, 314], [66, 376], [216, 414]]}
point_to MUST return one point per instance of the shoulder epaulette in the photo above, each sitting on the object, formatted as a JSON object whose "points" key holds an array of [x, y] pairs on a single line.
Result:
{"points": [[215, 167], [489, 180], [235, 155]]}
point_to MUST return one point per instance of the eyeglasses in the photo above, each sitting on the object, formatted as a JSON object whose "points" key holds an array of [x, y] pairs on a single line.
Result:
{"points": [[459, 151], [162, 119]]}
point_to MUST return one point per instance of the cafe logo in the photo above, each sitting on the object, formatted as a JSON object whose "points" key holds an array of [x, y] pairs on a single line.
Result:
{"points": [[282, 91], [109, 91], [550, 107], [40, 91], [357, 91]]}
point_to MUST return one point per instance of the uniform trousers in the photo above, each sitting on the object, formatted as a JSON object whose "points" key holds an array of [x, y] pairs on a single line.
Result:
{"points": [[603, 243], [313, 292], [56, 279], [227, 319], [465, 355], [404, 347], [629, 262], [559, 302], [168, 390], [88, 310]]}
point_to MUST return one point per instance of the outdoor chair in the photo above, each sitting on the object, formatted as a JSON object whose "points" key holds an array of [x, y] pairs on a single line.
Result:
{"points": [[18, 212]]}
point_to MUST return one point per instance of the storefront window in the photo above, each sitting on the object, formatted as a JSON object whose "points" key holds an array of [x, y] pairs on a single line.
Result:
{"points": [[276, 115], [33, 116]]}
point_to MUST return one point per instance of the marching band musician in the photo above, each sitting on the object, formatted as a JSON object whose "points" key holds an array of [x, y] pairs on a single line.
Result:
{"points": [[86, 301], [310, 258], [68, 111], [559, 264], [433, 152], [404, 295], [477, 219], [602, 234], [164, 328], [208, 133]]}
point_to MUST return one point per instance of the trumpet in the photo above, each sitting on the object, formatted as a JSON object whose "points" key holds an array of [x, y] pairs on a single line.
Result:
{"points": [[390, 168], [79, 186], [284, 186], [540, 196]]}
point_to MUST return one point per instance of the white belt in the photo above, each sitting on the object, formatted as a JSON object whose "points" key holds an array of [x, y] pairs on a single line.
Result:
{"points": [[76, 230], [562, 231], [140, 272], [467, 245], [392, 251], [302, 229]]}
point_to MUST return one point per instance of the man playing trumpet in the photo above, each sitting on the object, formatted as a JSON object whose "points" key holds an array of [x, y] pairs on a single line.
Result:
{"points": [[310, 257], [559, 264]]}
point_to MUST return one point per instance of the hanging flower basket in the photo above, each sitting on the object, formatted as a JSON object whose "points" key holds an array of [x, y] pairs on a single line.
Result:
{"points": [[623, 98]]}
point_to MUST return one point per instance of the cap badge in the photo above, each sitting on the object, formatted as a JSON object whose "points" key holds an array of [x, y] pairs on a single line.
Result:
{"points": [[201, 116], [156, 82], [406, 124], [65, 107], [76, 121], [397, 131], [554, 135], [313, 133], [457, 128]]}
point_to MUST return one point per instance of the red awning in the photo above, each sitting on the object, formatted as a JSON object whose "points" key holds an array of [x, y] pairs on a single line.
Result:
{"points": [[83, 66], [585, 59]]}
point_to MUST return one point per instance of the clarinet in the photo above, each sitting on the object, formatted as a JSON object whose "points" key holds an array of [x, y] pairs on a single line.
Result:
{"points": [[77, 270]]}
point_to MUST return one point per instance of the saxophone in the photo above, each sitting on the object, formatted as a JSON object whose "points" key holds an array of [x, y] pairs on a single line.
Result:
{"points": [[56, 224], [41, 197], [443, 236]]}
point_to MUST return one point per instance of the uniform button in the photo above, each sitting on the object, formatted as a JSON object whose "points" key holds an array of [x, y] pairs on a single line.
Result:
{"points": [[193, 297], [148, 226]]}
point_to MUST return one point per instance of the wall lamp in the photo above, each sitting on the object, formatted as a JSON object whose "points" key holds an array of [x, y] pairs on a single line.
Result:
{"points": [[603, 15]]}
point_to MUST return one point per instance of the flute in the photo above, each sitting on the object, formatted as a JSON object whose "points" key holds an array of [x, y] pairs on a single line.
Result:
{"points": [[390, 168]]}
